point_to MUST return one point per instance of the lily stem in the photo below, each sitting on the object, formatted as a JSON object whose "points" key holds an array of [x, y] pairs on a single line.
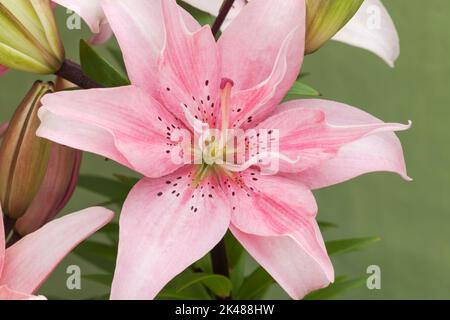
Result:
{"points": [[72, 72], [223, 13], [220, 262], [219, 259]]}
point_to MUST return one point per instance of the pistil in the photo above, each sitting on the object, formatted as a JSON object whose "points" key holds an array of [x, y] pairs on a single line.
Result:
{"points": [[225, 97]]}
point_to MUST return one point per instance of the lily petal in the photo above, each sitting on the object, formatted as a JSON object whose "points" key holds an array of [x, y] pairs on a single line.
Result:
{"points": [[103, 36], [372, 29], [210, 6], [124, 124], [294, 269], [165, 226], [8, 294], [252, 105], [140, 30], [250, 62], [29, 262], [377, 152], [306, 133], [189, 68], [92, 13], [274, 217]]}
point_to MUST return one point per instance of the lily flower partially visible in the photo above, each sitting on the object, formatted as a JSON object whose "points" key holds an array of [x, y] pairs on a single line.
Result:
{"points": [[92, 13], [27, 264], [371, 28], [183, 80]]}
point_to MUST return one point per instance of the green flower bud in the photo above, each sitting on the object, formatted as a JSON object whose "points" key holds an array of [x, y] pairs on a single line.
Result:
{"points": [[324, 18], [29, 38], [23, 156], [57, 186]]}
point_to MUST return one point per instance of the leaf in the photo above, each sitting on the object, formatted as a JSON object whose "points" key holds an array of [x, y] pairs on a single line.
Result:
{"points": [[112, 189], [129, 181], [111, 231], [234, 249], [102, 297], [104, 279], [204, 264], [196, 291], [237, 273], [118, 57], [303, 75], [218, 284], [169, 295], [99, 254], [255, 285], [98, 69], [339, 286], [300, 90], [323, 225], [202, 17], [348, 245]]}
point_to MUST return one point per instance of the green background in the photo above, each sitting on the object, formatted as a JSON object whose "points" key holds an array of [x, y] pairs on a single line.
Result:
{"points": [[412, 218]]}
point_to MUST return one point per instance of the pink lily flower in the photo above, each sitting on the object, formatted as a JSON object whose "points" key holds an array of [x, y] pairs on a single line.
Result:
{"points": [[92, 13], [27, 264], [180, 78], [371, 28]]}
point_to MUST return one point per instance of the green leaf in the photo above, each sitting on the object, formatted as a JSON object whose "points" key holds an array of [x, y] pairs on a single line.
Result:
{"points": [[323, 225], [104, 279], [234, 249], [348, 245], [204, 264], [196, 291], [169, 295], [98, 69], [102, 297], [339, 286], [118, 57], [129, 181], [111, 231], [237, 272], [255, 285], [300, 89], [99, 254], [112, 189], [218, 284], [201, 16]]}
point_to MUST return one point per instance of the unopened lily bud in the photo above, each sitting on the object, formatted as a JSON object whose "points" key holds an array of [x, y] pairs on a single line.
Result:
{"points": [[55, 191], [23, 156], [29, 38], [58, 185], [324, 18], [3, 128]]}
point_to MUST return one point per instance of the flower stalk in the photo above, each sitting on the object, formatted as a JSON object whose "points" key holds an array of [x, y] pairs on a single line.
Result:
{"points": [[72, 72], [226, 7]]}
